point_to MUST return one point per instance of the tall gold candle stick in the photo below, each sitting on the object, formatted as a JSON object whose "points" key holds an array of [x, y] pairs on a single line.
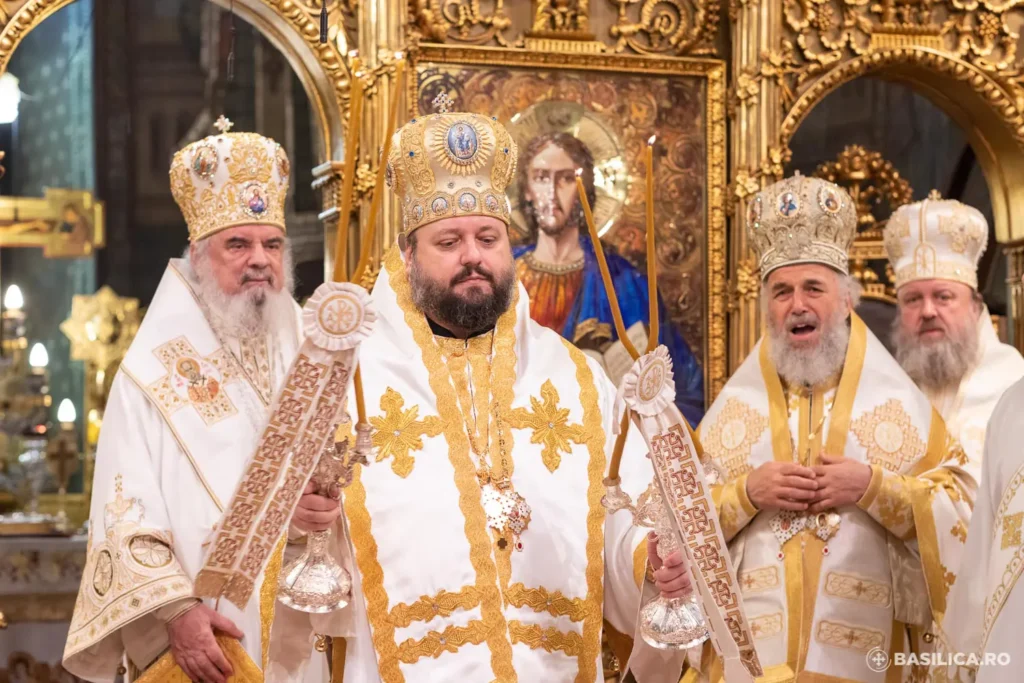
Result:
{"points": [[349, 169], [378, 187], [652, 265], [602, 264], [620, 329]]}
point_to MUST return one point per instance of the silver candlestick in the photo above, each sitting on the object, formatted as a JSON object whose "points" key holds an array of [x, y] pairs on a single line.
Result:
{"points": [[315, 582], [668, 623]]}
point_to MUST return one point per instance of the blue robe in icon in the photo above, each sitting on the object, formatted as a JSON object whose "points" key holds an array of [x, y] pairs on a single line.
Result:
{"points": [[574, 304]]}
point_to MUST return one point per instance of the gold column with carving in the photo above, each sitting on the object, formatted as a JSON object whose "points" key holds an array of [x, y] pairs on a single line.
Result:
{"points": [[1015, 288], [756, 112]]}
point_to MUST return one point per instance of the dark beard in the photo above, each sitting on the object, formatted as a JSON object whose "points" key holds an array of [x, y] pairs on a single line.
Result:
{"points": [[574, 220], [477, 311]]}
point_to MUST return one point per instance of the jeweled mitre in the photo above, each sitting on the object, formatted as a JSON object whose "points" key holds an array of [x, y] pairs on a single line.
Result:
{"points": [[802, 220], [936, 239], [451, 164], [230, 179]]}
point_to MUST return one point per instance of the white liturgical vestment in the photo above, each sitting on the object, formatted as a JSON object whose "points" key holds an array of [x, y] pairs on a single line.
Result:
{"points": [[967, 409], [184, 413], [440, 596], [981, 632], [825, 593]]}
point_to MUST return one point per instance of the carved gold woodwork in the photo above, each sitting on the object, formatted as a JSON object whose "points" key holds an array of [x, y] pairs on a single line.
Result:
{"points": [[561, 19], [788, 56], [873, 184], [462, 21], [651, 27], [667, 27]]}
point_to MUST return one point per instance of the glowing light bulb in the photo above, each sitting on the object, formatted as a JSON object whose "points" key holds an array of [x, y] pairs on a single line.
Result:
{"points": [[10, 98], [13, 300], [66, 411], [38, 357]]}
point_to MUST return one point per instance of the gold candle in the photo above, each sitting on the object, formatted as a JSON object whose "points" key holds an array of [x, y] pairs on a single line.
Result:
{"points": [[652, 265], [613, 300], [349, 170]]}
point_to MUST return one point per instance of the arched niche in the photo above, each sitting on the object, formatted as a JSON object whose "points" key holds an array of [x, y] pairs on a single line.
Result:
{"points": [[289, 27], [970, 97]]}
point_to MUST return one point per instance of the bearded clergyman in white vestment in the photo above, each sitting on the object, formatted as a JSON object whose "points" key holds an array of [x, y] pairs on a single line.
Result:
{"points": [[842, 494], [184, 414], [943, 335], [476, 537]]}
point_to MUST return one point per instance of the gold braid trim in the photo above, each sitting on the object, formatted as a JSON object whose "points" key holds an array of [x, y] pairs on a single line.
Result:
{"points": [[590, 643], [434, 644], [443, 604], [549, 639], [542, 600]]}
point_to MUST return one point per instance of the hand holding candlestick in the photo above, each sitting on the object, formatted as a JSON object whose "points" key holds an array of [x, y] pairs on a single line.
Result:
{"points": [[666, 623]]}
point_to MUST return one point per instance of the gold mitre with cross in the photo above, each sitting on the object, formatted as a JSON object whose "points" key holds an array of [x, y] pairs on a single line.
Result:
{"points": [[802, 220], [451, 164], [936, 239], [230, 179]]}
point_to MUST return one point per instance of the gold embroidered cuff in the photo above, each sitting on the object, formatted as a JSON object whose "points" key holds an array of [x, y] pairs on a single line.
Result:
{"points": [[889, 501], [741, 492], [735, 508], [872, 491]]}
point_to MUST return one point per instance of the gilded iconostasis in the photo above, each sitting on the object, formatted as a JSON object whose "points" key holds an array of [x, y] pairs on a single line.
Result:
{"points": [[892, 100]]}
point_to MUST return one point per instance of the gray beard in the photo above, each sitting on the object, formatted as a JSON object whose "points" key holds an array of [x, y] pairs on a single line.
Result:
{"points": [[938, 365], [247, 314], [813, 366]]}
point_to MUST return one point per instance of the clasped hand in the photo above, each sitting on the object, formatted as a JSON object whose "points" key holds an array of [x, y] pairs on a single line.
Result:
{"points": [[836, 482]]}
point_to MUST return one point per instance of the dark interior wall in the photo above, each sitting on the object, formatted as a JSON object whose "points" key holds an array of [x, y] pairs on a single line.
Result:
{"points": [[51, 145], [921, 141]]}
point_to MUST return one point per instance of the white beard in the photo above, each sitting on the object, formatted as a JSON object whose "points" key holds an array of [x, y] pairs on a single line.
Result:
{"points": [[247, 314], [937, 365], [813, 366]]}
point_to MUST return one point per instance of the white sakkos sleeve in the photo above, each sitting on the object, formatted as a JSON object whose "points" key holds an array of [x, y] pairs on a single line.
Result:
{"points": [[132, 582]]}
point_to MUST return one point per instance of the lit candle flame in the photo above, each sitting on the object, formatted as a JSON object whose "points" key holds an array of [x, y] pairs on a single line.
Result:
{"points": [[650, 140]]}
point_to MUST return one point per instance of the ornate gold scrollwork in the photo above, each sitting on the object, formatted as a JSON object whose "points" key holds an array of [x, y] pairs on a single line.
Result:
{"points": [[667, 27], [746, 283], [462, 21], [828, 36], [871, 181], [561, 19]]}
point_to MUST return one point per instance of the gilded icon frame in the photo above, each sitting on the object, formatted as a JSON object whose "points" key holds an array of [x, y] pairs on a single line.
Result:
{"points": [[711, 74]]}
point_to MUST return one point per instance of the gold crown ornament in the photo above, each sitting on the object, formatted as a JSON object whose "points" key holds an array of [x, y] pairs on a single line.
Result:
{"points": [[451, 164], [230, 179], [802, 220], [936, 239]]}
